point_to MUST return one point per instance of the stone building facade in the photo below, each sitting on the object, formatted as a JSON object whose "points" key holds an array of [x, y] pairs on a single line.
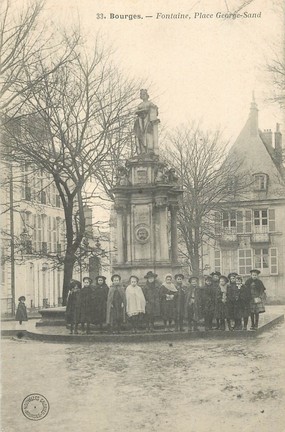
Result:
{"points": [[33, 219], [250, 231]]}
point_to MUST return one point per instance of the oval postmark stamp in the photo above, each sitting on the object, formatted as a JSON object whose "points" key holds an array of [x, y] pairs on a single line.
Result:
{"points": [[35, 406]]}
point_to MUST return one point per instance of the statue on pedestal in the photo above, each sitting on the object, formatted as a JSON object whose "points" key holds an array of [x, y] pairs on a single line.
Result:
{"points": [[146, 125]]}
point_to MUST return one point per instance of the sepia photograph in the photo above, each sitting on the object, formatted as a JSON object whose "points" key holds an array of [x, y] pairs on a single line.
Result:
{"points": [[142, 215]]}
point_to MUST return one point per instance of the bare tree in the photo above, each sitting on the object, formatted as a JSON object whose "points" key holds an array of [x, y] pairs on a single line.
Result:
{"points": [[71, 122], [208, 179], [23, 38]]}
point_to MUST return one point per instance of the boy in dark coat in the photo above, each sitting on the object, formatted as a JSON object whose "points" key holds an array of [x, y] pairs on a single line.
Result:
{"points": [[86, 304], [192, 304], [257, 291], [116, 304], [21, 314], [233, 301], [151, 294], [215, 282], [72, 313], [180, 302], [100, 301], [209, 302]]}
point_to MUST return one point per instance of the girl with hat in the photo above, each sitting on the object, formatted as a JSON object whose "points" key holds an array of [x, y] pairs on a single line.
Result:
{"points": [[100, 301], [168, 297], [135, 302], [180, 303], [151, 294], [257, 292], [221, 302], [192, 306], [21, 314], [86, 304], [72, 313], [116, 303]]}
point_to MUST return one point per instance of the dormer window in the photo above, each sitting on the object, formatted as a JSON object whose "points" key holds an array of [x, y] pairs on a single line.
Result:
{"points": [[260, 182]]}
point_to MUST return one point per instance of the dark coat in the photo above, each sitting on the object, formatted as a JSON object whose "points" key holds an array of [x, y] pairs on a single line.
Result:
{"points": [[245, 297], [221, 307], [201, 302], [257, 292], [73, 307], [167, 303], [100, 303], [180, 302], [21, 314], [209, 299], [115, 311], [151, 294], [87, 304], [192, 303], [234, 302]]}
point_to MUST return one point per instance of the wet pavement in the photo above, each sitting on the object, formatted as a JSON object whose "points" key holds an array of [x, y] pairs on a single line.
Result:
{"points": [[185, 386]]}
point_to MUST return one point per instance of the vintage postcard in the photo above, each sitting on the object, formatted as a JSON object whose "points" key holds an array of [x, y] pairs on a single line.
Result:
{"points": [[142, 215]]}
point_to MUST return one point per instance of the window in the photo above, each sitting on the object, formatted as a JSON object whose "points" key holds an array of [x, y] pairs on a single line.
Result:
{"points": [[261, 258], [245, 261], [273, 261], [229, 219], [260, 182], [260, 217]]}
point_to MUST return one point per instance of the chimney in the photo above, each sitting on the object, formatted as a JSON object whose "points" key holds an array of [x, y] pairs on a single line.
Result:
{"points": [[278, 143], [267, 136], [253, 117]]}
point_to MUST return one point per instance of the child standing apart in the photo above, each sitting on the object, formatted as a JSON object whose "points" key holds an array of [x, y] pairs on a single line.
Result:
{"points": [[244, 301], [168, 297], [192, 306], [21, 314], [72, 314], [116, 303], [135, 302], [257, 292]]}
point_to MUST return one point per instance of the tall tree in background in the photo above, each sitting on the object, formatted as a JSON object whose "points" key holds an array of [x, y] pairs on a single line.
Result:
{"points": [[72, 119], [208, 179]]}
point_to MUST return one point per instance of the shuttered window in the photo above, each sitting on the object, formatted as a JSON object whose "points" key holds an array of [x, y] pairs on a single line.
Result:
{"points": [[239, 222], [217, 223], [271, 218], [244, 261], [217, 260], [273, 261]]}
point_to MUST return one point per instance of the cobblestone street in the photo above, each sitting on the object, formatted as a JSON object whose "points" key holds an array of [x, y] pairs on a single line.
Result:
{"points": [[193, 386]]}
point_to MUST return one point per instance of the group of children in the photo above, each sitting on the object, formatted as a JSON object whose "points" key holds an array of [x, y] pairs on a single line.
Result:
{"points": [[225, 300]]}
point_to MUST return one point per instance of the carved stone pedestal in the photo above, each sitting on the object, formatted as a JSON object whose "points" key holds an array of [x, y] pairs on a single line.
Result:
{"points": [[145, 219]]}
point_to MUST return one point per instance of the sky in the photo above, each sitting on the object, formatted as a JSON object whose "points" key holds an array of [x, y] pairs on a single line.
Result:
{"points": [[197, 69]]}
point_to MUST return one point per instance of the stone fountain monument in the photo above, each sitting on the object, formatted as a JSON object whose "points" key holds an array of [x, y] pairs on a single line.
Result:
{"points": [[147, 195]]}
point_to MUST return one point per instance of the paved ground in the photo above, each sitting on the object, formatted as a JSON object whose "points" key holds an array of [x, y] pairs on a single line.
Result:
{"points": [[193, 386]]}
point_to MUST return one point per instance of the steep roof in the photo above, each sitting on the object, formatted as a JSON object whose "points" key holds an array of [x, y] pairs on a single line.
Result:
{"points": [[253, 149]]}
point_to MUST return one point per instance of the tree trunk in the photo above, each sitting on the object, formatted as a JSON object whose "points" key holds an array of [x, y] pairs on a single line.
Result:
{"points": [[196, 258], [69, 261]]}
